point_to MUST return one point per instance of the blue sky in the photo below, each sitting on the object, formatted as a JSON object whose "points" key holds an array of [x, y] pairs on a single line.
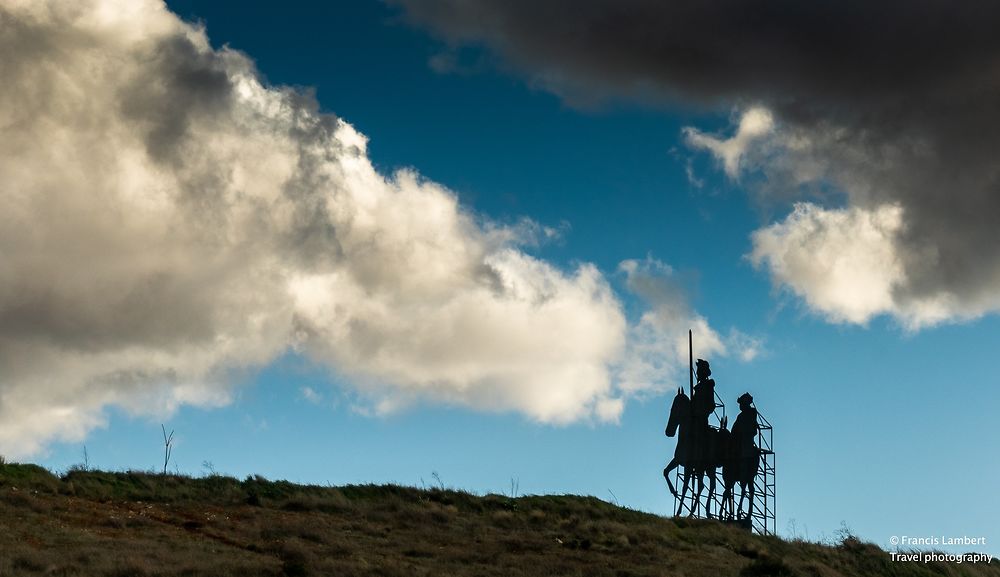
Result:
{"points": [[878, 426]]}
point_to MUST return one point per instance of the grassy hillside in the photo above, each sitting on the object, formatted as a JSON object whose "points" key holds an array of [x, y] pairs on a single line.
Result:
{"points": [[138, 524]]}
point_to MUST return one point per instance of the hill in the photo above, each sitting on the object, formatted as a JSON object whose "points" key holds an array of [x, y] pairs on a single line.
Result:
{"points": [[143, 524]]}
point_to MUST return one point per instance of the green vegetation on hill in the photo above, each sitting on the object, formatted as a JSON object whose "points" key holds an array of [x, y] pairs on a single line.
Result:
{"points": [[143, 524]]}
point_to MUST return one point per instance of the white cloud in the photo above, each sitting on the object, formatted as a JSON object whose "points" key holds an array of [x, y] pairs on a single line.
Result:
{"points": [[312, 395], [842, 262], [170, 223], [755, 123], [745, 347], [846, 265]]}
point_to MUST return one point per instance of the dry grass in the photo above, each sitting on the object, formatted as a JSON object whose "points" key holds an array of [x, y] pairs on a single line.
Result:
{"points": [[144, 524]]}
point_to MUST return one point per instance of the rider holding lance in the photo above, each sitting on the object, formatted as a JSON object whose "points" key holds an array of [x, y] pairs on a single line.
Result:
{"points": [[702, 406], [703, 401]]}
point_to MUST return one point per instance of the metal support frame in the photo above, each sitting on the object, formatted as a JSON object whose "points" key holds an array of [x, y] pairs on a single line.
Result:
{"points": [[762, 516]]}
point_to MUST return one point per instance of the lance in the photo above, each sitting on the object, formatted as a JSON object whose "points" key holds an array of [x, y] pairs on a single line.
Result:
{"points": [[690, 365]]}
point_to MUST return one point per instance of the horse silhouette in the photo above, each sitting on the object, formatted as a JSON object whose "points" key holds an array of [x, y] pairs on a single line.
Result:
{"points": [[700, 450], [742, 470]]}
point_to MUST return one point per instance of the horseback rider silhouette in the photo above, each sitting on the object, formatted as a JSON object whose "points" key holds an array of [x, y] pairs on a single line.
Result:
{"points": [[703, 400], [745, 430], [745, 458]]}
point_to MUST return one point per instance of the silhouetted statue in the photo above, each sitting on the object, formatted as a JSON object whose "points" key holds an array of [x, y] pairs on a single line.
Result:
{"points": [[743, 458], [699, 450]]}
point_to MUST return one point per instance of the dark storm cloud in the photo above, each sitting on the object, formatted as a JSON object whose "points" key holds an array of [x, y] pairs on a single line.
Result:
{"points": [[893, 103], [786, 51]]}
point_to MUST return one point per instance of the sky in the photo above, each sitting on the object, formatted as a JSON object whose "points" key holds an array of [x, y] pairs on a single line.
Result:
{"points": [[461, 243]]}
